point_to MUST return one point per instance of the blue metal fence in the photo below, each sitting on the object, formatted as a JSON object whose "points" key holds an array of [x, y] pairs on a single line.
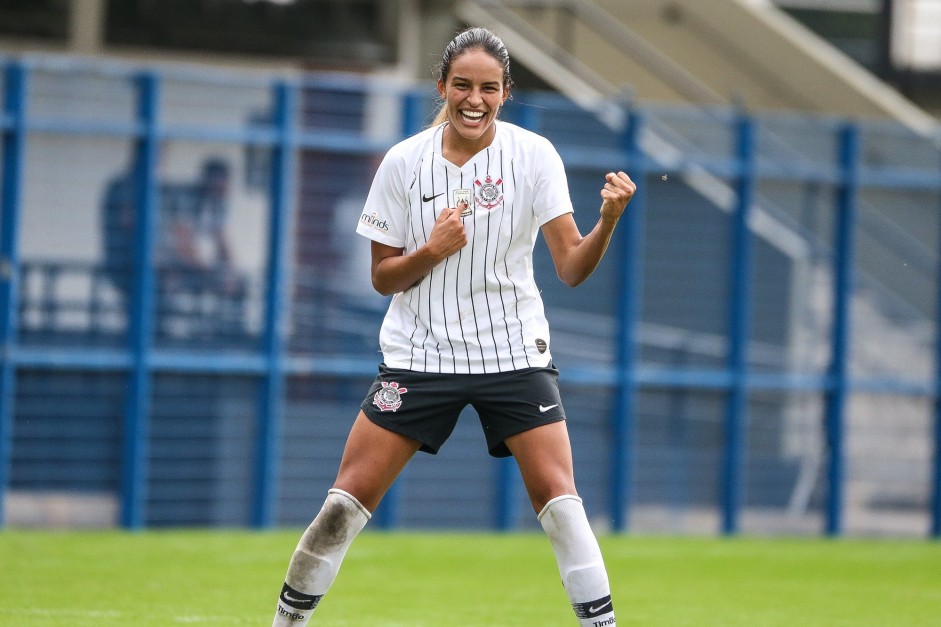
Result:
{"points": [[708, 362]]}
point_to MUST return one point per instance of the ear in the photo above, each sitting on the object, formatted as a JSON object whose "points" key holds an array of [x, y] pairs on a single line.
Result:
{"points": [[506, 95], [441, 88]]}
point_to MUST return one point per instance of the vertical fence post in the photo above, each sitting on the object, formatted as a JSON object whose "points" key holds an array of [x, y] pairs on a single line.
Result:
{"points": [[935, 530], [141, 314], [838, 390], [740, 313], [631, 239], [13, 155], [505, 494], [936, 465], [411, 113], [272, 385]]}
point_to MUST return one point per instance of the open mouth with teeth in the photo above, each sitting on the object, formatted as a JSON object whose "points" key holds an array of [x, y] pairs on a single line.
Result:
{"points": [[472, 116]]}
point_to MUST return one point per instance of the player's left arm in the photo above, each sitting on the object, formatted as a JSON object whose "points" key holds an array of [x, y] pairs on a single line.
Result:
{"points": [[576, 257]]}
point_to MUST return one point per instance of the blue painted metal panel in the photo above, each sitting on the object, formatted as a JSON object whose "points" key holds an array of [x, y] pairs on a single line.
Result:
{"points": [[13, 148]]}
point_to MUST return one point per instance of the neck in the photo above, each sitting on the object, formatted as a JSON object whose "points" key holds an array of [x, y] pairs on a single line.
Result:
{"points": [[459, 150]]}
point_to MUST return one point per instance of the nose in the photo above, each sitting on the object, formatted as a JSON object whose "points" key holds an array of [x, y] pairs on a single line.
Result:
{"points": [[475, 97]]}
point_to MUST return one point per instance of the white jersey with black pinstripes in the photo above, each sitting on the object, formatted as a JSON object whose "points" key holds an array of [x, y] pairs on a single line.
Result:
{"points": [[478, 311]]}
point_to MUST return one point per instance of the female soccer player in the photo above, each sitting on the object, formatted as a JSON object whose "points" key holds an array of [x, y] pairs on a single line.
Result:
{"points": [[453, 214]]}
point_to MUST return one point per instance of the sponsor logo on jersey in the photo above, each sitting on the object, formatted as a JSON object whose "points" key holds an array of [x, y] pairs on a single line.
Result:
{"points": [[374, 221], [488, 193], [389, 398], [541, 345]]}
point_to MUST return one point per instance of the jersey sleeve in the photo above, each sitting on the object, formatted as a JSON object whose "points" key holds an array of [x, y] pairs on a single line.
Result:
{"points": [[385, 215], [551, 187]]}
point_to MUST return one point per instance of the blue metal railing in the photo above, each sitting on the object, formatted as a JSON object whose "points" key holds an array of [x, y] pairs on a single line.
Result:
{"points": [[276, 301], [631, 239], [839, 364], [740, 316], [13, 147], [140, 359]]}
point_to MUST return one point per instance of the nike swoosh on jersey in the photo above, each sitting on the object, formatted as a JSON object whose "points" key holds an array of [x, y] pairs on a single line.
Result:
{"points": [[544, 408], [427, 198]]}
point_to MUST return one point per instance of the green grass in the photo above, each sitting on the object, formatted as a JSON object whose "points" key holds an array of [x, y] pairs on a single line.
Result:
{"points": [[103, 579]]}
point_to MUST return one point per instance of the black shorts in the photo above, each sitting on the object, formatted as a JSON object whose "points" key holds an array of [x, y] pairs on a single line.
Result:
{"points": [[425, 406]]}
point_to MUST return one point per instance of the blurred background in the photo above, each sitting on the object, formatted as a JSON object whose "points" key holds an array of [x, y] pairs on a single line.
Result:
{"points": [[185, 310]]}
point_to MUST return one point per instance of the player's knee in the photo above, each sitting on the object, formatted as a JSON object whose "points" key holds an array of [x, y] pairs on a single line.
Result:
{"points": [[542, 496], [340, 519], [566, 524], [366, 494]]}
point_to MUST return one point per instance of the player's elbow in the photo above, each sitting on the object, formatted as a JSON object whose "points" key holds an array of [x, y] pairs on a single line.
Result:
{"points": [[390, 285], [572, 266], [574, 282], [382, 287], [572, 279]]}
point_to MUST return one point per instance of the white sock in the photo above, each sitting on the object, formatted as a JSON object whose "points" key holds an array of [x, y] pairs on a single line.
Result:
{"points": [[317, 558], [579, 558]]}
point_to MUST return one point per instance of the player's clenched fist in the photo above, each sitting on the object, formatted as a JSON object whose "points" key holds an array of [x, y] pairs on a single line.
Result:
{"points": [[448, 235], [616, 193]]}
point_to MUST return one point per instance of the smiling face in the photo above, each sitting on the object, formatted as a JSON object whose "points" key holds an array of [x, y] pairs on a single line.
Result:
{"points": [[473, 93]]}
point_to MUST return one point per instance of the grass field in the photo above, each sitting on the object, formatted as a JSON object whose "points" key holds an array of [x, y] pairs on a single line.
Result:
{"points": [[103, 579]]}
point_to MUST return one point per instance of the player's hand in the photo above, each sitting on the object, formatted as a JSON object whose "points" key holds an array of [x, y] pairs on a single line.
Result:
{"points": [[615, 195], [448, 235]]}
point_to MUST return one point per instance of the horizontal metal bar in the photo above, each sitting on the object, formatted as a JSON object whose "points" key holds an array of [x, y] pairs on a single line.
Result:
{"points": [[250, 363], [220, 362], [69, 359]]}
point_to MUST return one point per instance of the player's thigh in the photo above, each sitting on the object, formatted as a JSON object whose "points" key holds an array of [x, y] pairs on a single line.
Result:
{"points": [[544, 456], [371, 461]]}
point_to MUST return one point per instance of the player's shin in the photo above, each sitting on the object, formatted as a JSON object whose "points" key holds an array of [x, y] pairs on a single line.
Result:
{"points": [[317, 558], [580, 562]]}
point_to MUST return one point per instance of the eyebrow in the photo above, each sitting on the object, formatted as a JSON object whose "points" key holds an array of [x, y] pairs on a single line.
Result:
{"points": [[467, 80]]}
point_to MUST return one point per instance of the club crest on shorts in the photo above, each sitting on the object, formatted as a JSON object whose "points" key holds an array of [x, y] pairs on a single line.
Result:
{"points": [[488, 193], [389, 398]]}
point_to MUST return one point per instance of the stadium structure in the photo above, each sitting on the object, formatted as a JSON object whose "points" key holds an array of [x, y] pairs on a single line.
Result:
{"points": [[762, 357]]}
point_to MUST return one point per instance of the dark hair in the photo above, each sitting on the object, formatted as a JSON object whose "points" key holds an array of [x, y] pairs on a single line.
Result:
{"points": [[469, 39]]}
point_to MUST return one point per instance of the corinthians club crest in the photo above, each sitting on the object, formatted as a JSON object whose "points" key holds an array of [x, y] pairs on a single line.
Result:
{"points": [[488, 193], [389, 398]]}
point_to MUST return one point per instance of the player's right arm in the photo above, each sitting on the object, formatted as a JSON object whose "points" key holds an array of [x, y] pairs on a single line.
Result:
{"points": [[394, 271]]}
